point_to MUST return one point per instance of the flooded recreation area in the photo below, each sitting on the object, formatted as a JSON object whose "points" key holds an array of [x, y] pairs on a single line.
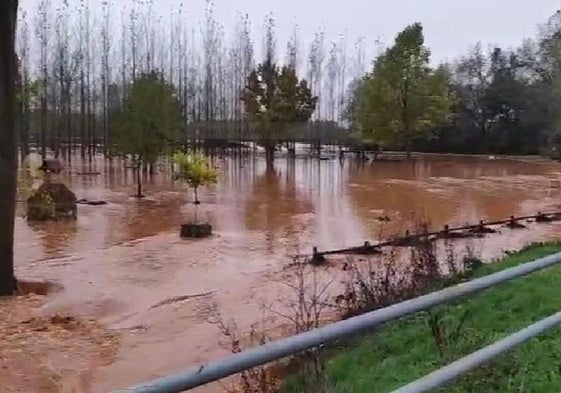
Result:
{"points": [[123, 265]]}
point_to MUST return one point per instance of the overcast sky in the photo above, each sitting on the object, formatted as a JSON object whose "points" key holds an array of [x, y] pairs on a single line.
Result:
{"points": [[451, 26]]}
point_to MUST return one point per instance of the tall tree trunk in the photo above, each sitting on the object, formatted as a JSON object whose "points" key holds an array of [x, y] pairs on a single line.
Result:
{"points": [[408, 149], [24, 122], [43, 35], [68, 120], [24, 133], [82, 113], [139, 178], [8, 145], [270, 155]]}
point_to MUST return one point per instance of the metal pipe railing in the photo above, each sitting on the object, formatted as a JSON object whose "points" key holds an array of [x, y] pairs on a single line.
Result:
{"points": [[276, 350], [455, 369]]}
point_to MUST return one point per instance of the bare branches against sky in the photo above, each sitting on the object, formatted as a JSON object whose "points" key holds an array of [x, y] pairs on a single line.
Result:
{"points": [[451, 26]]}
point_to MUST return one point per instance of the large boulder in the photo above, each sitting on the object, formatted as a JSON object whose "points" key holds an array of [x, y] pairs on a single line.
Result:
{"points": [[51, 201]]}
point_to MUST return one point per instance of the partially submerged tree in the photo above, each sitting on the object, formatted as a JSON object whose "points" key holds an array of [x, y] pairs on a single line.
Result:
{"points": [[196, 170], [275, 98], [147, 123], [8, 146], [27, 103], [403, 98]]}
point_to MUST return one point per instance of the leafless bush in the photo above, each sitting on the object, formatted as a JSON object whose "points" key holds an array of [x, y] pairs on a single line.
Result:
{"points": [[304, 305], [307, 300], [370, 284], [450, 258], [391, 277], [424, 266], [261, 379]]}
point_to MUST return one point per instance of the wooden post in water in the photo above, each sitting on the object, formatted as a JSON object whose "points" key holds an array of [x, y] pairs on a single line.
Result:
{"points": [[317, 258]]}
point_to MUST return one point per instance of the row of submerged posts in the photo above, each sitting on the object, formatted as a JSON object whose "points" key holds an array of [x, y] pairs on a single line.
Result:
{"points": [[411, 239]]}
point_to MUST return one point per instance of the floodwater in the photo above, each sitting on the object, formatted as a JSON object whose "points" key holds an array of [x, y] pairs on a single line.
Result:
{"points": [[124, 264]]}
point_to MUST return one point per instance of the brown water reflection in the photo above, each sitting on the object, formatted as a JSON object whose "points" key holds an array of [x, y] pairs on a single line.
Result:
{"points": [[119, 260]]}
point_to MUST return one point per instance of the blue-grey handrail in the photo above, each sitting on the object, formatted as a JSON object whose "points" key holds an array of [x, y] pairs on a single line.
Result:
{"points": [[276, 350]]}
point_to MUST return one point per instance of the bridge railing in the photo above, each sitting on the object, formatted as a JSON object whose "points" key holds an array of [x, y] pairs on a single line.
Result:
{"points": [[276, 350]]}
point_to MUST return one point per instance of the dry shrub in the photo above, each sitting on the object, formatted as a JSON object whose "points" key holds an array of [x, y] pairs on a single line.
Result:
{"points": [[261, 379], [401, 273], [304, 305], [370, 284], [307, 299]]}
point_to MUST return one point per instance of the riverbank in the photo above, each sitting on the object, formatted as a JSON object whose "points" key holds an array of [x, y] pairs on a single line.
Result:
{"points": [[408, 349]]}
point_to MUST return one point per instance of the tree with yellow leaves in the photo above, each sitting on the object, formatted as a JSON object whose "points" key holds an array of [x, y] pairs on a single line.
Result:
{"points": [[196, 170]]}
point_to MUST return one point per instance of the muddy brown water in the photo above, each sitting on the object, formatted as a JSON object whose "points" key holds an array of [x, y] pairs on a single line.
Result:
{"points": [[124, 264]]}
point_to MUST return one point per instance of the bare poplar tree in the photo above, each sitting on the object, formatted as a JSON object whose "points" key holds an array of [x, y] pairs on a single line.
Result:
{"points": [[292, 49], [292, 59], [331, 81], [133, 31], [42, 27], [359, 61], [247, 64], [124, 63], [81, 63], [209, 48], [342, 93], [315, 69], [61, 74], [24, 85], [270, 41], [105, 72], [90, 90]]}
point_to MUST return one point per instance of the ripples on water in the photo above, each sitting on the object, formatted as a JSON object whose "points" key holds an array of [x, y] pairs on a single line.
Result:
{"points": [[118, 260], [337, 203]]}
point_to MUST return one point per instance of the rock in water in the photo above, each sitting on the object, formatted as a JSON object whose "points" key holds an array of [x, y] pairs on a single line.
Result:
{"points": [[51, 166], [51, 201]]}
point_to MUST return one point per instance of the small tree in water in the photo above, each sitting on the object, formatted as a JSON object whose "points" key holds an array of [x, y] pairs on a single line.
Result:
{"points": [[196, 170], [147, 123]]}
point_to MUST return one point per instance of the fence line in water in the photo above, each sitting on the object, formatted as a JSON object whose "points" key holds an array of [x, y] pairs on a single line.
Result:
{"points": [[446, 232]]}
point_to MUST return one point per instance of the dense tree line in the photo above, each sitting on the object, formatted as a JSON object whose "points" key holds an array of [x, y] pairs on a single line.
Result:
{"points": [[503, 101], [77, 64], [506, 102]]}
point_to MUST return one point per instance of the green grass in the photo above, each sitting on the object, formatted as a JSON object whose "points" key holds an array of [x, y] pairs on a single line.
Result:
{"points": [[405, 350]]}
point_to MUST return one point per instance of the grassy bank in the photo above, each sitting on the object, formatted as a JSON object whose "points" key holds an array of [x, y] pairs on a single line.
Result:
{"points": [[407, 349]]}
